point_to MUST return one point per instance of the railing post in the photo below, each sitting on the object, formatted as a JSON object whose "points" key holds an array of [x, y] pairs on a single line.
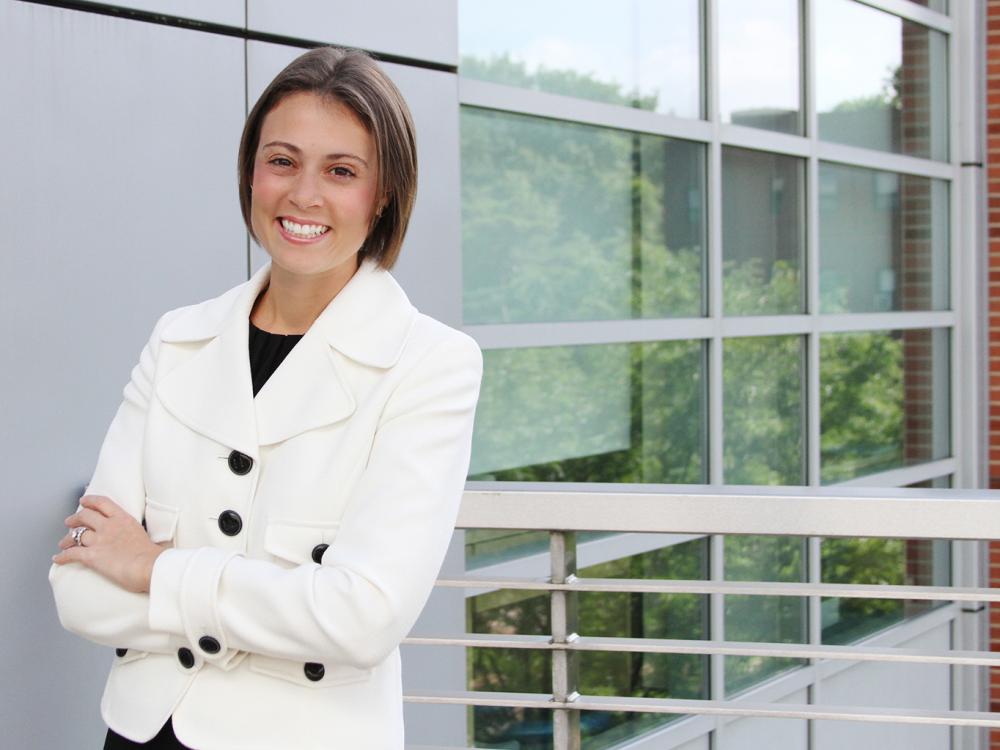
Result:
{"points": [[565, 672]]}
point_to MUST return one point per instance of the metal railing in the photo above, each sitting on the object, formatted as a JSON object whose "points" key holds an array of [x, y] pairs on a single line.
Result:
{"points": [[912, 514]]}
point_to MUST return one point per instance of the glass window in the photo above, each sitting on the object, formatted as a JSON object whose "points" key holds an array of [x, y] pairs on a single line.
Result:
{"points": [[759, 64], [506, 669], [562, 221], [763, 232], [883, 241], [490, 546], [905, 562], [763, 382], [769, 619], [638, 615], [645, 53], [616, 615], [600, 413], [485, 547], [884, 401], [887, 88]]}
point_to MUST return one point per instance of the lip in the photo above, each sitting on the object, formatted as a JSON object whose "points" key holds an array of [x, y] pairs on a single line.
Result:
{"points": [[295, 240]]}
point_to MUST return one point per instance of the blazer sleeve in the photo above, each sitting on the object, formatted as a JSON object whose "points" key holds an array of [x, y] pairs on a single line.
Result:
{"points": [[357, 605], [89, 604]]}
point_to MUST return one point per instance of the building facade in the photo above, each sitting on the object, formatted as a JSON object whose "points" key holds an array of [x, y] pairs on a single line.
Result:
{"points": [[699, 241]]}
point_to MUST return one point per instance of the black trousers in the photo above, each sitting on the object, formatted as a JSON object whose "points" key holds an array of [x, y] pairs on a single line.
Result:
{"points": [[164, 740]]}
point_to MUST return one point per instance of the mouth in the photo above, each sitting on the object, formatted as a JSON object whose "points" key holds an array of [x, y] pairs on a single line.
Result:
{"points": [[300, 231]]}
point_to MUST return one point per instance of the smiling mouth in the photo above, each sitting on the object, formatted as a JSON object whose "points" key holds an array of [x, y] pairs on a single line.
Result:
{"points": [[303, 231]]}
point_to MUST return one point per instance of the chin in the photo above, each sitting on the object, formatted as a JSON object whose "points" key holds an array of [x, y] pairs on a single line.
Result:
{"points": [[303, 263]]}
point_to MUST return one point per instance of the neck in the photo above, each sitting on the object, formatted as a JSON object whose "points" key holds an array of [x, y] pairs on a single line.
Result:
{"points": [[291, 302]]}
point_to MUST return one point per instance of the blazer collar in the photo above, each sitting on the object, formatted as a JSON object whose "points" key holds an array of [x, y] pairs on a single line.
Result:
{"points": [[211, 391], [367, 321]]}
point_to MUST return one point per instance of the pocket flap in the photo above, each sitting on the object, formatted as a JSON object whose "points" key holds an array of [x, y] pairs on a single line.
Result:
{"points": [[161, 521], [295, 542], [295, 671], [130, 655]]}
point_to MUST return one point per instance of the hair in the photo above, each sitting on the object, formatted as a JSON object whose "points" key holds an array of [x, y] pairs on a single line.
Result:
{"points": [[352, 78]]}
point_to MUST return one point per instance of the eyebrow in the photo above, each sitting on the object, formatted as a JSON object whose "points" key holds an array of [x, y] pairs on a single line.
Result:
{"points": [[296, 150]]}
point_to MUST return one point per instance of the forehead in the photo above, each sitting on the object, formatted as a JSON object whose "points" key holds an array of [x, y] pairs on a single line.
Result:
{"points": [[317, 124]]}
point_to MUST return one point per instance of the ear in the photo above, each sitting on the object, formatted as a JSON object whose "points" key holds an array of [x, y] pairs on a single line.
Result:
{"points": [[383, 202]]}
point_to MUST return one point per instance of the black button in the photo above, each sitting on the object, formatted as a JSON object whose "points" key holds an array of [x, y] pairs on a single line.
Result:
{"points": [[314, 671], [208, 644], [318, 551], [185, 657], [240, 463], [230, 522], [121, 651]]}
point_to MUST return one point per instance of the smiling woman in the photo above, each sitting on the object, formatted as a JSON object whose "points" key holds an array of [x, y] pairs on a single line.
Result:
{"points": [[312, 208], [256, 599]]}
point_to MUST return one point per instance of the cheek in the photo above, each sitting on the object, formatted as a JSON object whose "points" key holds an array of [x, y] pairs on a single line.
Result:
{"points": [[263, 198], [362, 206], [264, 190]]}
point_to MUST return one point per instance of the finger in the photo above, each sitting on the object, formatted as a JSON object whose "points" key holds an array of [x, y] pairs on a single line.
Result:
{"points": [[73, 554], [86, 517], [101, 503], [87, 539]]}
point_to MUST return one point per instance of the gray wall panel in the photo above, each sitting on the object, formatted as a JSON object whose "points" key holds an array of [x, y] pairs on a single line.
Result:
{"points": [[920, 686], [425, 30], [787, 734], [227, 12], [117, 202], [430, 266]]}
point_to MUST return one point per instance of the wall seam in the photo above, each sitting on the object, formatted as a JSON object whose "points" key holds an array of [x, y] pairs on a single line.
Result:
{"points": [[163, 19]]}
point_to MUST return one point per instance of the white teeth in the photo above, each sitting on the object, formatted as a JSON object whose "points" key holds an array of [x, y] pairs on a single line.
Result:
{"points": [[303, 230]]}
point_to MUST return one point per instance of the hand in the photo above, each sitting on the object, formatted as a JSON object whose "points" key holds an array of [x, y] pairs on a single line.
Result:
{"points": [[114, 544]]}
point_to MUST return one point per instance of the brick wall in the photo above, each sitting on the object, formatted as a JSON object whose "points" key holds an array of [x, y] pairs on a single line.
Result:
{"points": [[993, 193], [915, 248]]}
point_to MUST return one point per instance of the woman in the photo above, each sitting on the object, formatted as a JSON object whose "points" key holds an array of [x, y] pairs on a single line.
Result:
{"points": [[294, 517]]}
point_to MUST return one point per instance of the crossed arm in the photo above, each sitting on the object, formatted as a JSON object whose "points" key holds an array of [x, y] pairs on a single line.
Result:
{"points": [[352, 609]]}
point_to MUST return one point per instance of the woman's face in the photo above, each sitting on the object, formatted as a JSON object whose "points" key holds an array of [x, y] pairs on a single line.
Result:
{"points": [[314, 186]]}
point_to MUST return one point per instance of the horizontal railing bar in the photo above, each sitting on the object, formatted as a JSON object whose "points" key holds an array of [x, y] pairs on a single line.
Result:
{"points": [[711, 708], [726, 648], [889, 513], [733, 588]]}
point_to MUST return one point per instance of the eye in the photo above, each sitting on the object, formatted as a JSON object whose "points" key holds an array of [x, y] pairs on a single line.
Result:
{"points": [[342, 171], [280, 161]]}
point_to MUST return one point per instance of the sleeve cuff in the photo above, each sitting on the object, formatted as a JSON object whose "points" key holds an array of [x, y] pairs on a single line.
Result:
{"points": [[183, 597]]}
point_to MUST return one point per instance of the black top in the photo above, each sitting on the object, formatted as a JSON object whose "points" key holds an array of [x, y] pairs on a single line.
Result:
{"points": [[267, 350]]}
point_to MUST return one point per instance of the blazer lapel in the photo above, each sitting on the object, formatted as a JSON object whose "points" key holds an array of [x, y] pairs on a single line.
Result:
{"points": [[367, 324], [305, 392], [211, 390]]}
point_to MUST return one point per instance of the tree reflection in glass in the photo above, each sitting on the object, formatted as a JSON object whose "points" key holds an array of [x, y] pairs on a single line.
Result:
{"points": [[883, 401], [887, 88], [562, 221], [600, 413], [772, 619], [643, 53], [635, 615], [763, 418]]}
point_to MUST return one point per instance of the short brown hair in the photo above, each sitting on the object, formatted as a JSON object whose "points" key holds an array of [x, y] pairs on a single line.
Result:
{"points": [[352, 78]]}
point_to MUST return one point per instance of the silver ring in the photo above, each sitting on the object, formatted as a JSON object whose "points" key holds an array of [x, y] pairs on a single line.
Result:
{"points": [[78, 535]]}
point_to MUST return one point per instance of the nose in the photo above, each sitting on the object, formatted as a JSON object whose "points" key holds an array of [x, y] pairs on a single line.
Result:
{"points": [[305, 191]]}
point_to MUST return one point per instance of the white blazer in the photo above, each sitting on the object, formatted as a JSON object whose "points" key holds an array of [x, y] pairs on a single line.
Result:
{"points": [[308, 523]]}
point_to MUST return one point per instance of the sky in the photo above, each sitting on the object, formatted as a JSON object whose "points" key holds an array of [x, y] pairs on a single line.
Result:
{"points": [[857, 46]]}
